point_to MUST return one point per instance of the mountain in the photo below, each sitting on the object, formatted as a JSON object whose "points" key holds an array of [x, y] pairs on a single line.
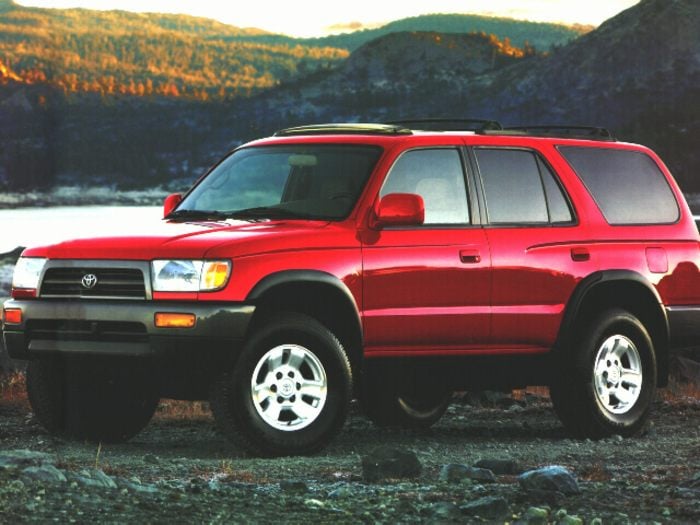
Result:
{"points": [[397, 75], [540, 35], [637, 74], [116, 52]]}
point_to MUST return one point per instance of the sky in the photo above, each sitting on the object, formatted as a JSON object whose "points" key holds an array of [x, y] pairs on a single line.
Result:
{"points": [[317, 17]]}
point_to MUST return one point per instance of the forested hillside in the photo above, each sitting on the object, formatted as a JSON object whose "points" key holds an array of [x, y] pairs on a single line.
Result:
{"points": [[134, 100], [115, 52]]}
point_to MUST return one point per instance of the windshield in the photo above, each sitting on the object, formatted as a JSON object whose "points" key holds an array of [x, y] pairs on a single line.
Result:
{"points": [[297, 181]]}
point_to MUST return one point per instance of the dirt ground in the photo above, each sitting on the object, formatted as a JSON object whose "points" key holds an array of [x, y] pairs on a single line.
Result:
{"points": [[179, 470]]}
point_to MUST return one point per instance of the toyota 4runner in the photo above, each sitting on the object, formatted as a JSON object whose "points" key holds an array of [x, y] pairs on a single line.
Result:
{"points": [[395, 263]]}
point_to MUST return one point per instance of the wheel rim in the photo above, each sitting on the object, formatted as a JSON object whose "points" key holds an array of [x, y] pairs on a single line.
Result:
{"points": [[422, 409], [289, 387], [618, 374]]}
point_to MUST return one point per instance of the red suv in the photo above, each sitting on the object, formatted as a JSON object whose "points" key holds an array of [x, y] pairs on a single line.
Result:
{"points": [[376, 261]]}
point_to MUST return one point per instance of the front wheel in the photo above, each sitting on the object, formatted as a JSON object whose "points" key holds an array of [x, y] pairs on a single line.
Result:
{"points": [[289, 391], [608, 385], [99, 399]]}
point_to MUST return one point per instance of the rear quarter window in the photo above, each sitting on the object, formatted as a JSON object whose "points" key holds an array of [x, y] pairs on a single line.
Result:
{"points": [[627, 186]]}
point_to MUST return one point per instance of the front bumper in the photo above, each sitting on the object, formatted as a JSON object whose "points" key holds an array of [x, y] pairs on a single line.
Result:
{"points": [[120, 328]]}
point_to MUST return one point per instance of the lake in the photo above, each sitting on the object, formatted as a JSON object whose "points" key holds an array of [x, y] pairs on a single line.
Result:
{"points": [[37, 226]]}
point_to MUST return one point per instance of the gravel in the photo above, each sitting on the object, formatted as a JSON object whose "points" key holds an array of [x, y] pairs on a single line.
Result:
{"points": [[179, 469]]}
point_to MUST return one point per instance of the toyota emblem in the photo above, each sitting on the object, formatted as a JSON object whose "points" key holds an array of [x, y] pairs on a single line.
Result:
{"points": [[89, 281]]}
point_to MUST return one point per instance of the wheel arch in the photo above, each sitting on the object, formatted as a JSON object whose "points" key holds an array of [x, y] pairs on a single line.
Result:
{"points": [[319, 294], [625, 289]]}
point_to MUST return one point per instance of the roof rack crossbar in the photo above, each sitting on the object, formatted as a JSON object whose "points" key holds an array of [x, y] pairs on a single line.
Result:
{"points": [[344, 129], [448, 124], [589, 132]]}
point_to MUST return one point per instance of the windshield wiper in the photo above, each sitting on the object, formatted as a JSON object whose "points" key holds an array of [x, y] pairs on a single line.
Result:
{"points": [[198, 214], [268, 212]]}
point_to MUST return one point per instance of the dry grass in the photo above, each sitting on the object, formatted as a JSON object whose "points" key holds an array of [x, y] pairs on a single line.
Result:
{"points": [[174, 409], [12, 386], [679, 391]]}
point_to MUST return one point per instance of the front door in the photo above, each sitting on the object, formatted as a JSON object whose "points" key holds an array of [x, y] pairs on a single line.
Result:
{"points": [[427, 288]]}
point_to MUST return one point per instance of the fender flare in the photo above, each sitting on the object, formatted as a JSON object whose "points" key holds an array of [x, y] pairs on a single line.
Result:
{"points": [[587, 285], [309, 277]]}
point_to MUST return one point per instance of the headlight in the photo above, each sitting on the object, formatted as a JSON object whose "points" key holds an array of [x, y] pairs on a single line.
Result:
{"points": [[190, 276], [27, 273]]}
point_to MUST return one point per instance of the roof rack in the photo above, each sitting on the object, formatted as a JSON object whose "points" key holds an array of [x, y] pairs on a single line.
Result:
{"points": [[344, 129], [580, 132], [448, 124]]}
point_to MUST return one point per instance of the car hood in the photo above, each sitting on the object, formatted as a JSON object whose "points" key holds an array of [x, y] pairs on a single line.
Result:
{"points": [[191, 240]]}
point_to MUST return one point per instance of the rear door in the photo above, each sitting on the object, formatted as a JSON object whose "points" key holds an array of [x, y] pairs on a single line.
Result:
{"points": [[536, 253], [427, 288]]}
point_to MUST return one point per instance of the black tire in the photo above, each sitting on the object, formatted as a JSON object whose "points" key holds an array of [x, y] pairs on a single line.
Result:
{"points": [[46, 393], [591, 396], [395, 397], [245, 420], [97, 399]]}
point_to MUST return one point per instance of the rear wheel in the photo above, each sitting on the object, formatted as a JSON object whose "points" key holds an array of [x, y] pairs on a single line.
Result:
{"points": [[98, 399], [404, 399], [289, 391], [608, 385]]}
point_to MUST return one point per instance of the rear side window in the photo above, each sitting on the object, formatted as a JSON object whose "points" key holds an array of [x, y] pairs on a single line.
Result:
{"points": [[520, 189], [627, 186]]}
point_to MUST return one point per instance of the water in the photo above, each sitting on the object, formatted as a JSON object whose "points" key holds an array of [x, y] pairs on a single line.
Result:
{"points": [[38, 226]]}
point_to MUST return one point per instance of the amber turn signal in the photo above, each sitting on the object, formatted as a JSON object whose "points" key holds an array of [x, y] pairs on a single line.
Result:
{"points": [[12, 316], [175, 320]]}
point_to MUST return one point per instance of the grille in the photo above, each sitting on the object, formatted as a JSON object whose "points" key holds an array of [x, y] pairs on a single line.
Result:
{"points": [[111, 282], [70, 330]]}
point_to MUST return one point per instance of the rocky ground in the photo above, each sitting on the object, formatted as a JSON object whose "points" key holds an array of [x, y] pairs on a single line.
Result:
{"points": [[180, 470]]}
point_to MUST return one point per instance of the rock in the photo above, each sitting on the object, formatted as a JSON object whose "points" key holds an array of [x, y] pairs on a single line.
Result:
{"points": [[388, 462], [133, 486], [93, 478], [500, 466], [454, 473], [151, 459], [552, 478], [496, 399], [570, 520], [15, 486], [445, 510], [693, 482], [293, 485], [341, 492], [20, 459], [44, 473], [536, 515], [489, 507], [314, 503]]}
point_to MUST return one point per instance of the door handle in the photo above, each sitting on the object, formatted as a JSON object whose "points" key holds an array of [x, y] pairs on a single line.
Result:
{"points": [[470, 256], [580, 254]]}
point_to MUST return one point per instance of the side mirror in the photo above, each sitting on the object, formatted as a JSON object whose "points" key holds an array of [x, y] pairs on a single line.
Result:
{"points": [[171, 202], [399, 209]]}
